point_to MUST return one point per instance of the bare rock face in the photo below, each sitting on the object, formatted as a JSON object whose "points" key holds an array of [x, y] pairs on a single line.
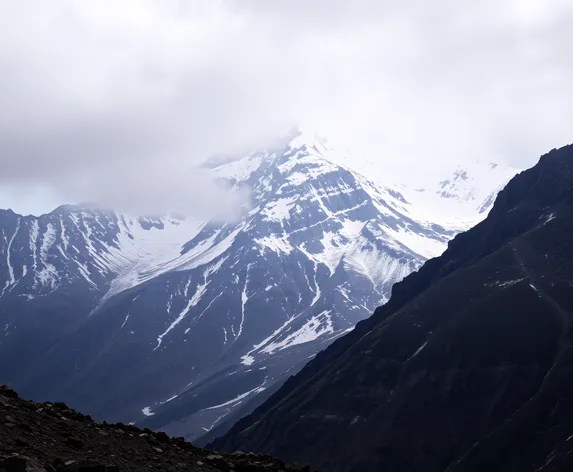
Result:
{"points": [[468, 367], [46, 437]]}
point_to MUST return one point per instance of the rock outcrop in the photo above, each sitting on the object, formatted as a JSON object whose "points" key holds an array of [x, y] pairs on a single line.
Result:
{"points": [[50, 437]]}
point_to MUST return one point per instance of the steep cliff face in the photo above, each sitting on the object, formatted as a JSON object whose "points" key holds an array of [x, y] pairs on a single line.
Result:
{"points": [[468, 366]]}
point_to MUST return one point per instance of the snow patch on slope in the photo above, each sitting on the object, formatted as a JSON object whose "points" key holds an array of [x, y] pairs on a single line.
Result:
{"points": [[11, 276], [142, 254], [48, 275], [240, 169], [193, 301], [423, 245], [274, 243], [279, 210], [313, 329]]}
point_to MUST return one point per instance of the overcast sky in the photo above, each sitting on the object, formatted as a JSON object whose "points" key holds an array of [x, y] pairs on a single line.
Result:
{"points": [[116, 99]]}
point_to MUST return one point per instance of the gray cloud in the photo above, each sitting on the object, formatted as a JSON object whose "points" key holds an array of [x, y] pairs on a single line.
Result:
{"points": [[116, 100]]}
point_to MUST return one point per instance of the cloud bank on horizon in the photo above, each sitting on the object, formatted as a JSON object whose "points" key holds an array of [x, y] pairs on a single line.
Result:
{"points": [[116, 100]]}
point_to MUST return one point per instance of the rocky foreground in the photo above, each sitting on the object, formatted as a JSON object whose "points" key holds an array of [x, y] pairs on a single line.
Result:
{"points": [[52, 437]]}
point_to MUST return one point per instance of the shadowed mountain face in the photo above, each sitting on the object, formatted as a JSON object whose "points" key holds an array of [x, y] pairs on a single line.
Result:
{"points": [[468, 367]]}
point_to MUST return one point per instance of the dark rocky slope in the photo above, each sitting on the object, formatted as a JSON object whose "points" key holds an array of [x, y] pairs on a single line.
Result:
{"points": [[469, 367], [45, 437]]}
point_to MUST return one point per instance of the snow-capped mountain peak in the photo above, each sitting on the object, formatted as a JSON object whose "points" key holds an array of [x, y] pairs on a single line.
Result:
{"points": [[185, 322], [455, 197], [462, 197]]}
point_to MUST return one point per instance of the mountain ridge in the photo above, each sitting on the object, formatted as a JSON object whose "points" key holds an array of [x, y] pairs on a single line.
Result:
{"points": [[185, 321], [489, 319]]}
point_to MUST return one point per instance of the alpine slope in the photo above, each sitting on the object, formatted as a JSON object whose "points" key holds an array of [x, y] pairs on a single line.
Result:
{"points": [[188, 325]]}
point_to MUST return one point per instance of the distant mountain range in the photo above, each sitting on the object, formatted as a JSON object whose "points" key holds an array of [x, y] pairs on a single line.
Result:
{"points": [[188, 325]]}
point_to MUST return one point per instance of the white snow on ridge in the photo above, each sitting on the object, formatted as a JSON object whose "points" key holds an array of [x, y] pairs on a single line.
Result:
{"points": [[142, 254], [275, 244], [48, 275], [244, 299], [317, 291], [11, 276], [170, 399], [297, 178], [507, 283], [199, 256], [312, 152], [8, 254], [279, 210], [34, 233], [460, 199], [377, 266], [247, 360], [240, 169], [418, 351], [64, 236], [238, 398], [358, 252], [317, 326], [451, 199], [423, 245], [337, 244], [193, 301]]}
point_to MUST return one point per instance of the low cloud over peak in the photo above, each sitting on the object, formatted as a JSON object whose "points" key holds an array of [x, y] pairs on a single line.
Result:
{"points": [[118, 100]]}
